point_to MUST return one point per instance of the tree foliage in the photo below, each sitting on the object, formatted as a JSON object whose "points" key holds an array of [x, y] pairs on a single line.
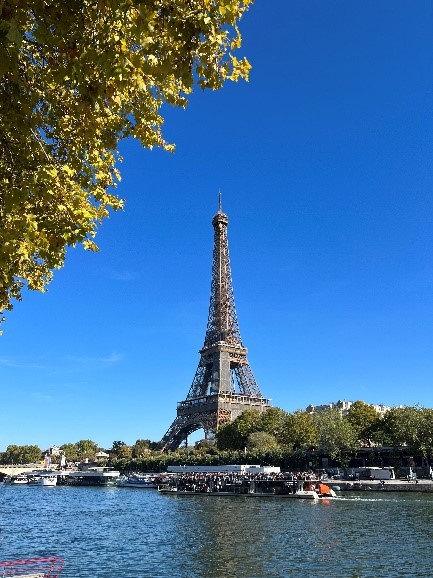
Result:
{"points": [[86, 449], [75, 78], [234, 435], [70, 452], [28, 454], [272, 421], [364, 419], [289, 431], [116, 446], [399, 425], [300, 431], [411, 426], [261, 441], [125, 452], [275, 437], [424, 439], [335, 435], [141, 448], [80, 450]]}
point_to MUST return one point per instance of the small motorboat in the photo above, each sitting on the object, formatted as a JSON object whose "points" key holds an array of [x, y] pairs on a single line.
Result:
{"points": [[17, 480], [143, 481], [313, 491]]}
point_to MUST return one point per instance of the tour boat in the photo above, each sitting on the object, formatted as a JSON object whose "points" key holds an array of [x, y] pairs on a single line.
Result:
{"points": [[277, 488], [93, 476], [42, 478]]}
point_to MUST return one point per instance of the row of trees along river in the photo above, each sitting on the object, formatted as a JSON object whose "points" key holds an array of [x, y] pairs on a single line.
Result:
{"points": [[276, 437]]}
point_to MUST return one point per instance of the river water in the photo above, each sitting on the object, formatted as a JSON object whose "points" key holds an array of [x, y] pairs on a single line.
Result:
{"points": [[123, 532]]}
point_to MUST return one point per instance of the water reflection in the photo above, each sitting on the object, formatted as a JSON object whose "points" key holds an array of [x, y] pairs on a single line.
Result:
{"points": [[248, 537], [117, 533]]}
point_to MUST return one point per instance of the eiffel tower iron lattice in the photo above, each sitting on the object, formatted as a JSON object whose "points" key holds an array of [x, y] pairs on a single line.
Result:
{"points": [[224, 385]]}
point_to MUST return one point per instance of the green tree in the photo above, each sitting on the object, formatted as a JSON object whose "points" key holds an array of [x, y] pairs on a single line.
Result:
{"points": [[364, 419], [11, 455], [335, 435], [114, 63], [204, 446], [411, 426], [124, 452], [227, 437], [272, 421], [299, 431], [28, 454], [424, 438], [262, 442], [116, 447], [70, 451], [234, 435], [399, 426], [141, 448], [86, 449]]}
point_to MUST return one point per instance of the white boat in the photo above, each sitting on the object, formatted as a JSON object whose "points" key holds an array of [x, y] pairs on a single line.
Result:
{"points": [[41, 478], [17, 480], [312, 491], [137, 481], [93, 476]]}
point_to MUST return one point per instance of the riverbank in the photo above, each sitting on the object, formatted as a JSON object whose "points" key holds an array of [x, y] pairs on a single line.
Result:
{"points": [[396, 485], [383, 486]]}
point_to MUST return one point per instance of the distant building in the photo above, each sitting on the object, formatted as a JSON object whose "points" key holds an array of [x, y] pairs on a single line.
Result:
{"points": [[382, 409], [102, 455], [343, 407]]}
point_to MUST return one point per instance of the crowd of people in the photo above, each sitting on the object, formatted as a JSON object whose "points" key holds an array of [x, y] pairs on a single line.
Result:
{"points": [[230, 481]]}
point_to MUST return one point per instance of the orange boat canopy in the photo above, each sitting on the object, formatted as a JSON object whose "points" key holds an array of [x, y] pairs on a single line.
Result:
{"points": [[324, 489]]}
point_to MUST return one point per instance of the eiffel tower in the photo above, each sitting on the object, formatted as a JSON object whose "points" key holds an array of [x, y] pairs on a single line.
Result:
{"points": [[224, 385]]}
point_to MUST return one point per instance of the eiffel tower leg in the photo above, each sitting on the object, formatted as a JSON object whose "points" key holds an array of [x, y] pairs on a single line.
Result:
{"points": [[184, 425], [174, 437]]}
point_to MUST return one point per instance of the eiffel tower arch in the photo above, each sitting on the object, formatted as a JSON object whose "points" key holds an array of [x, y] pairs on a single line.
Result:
{"points": [[224, 385]]}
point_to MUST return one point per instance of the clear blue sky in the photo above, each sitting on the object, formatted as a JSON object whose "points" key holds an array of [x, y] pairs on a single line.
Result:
{"points": [[324, 160]]}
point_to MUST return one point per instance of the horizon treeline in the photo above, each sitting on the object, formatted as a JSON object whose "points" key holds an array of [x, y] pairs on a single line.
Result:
{"points": [[272, 433]]}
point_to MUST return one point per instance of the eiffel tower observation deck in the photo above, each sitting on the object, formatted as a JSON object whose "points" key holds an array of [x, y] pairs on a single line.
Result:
{"points": [[224, 385]]}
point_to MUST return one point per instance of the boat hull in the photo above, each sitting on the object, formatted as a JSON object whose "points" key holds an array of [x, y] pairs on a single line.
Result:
{"points": [[304, 495], [143, 485], [90, 481], [295, 489], [19, 480], [93, 477], [48, 482]]}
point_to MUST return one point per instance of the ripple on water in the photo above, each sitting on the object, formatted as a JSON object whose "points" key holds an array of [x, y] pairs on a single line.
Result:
{"points": [[117, 532]]}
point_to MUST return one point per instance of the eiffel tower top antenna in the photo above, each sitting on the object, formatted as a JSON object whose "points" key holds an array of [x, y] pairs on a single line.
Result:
{"points": [[219, 202]]}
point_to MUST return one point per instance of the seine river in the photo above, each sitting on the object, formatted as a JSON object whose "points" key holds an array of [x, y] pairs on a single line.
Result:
{"points": [[123, 533]]}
